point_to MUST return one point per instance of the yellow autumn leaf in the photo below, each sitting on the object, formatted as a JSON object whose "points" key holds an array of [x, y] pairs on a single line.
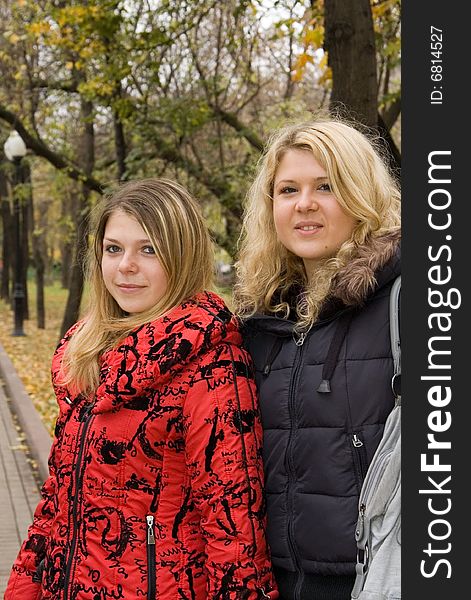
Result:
{"points": [[86, 52], [39, 28], [14, 38], [297, 75], [314, 37], [326, 77], [303, 59], [323, 61], [378, 10], [300, 65]]}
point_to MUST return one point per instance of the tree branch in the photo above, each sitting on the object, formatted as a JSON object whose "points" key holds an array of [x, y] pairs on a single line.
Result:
{"points": [[40, 149], [217, 186], [391, 114], [233, 121], [64, 86]]}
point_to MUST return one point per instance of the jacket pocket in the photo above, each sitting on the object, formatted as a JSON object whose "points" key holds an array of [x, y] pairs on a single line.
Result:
{"points": [[150, 558], [359, 457]]}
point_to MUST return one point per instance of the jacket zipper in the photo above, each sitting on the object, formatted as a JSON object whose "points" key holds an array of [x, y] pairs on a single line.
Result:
{"points": [[359, 459], [86, 420], [291, 471], [150, 558]]}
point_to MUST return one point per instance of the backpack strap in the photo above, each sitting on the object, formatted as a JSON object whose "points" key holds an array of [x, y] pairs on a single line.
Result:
{"points": [[394, 330]]}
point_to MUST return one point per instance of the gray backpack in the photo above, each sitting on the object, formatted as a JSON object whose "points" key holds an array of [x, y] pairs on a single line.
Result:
{"points": [[378, 530]]}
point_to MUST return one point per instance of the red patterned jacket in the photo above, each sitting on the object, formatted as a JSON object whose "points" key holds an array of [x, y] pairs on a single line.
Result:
{"points": [[155, 487]]}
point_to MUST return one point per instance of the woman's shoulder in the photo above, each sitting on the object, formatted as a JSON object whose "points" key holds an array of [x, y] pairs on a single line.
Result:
{"points": [[201, 310], [60, 348], [196, 326]]}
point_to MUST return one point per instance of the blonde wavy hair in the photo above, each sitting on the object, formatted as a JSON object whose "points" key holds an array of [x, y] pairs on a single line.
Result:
{"points": [[172, 220], [364, 188]]}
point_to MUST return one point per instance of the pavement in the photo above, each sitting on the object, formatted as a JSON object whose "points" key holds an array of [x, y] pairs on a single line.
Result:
{"points": [[24, 449]]}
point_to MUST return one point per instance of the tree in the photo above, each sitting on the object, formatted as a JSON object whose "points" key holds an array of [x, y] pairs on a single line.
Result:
{"points": [[177, 88], [362, 43], [350, 43]]}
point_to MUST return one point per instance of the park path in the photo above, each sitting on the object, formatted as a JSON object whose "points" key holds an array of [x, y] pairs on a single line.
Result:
{"points": [[22, 436], [19, 491]]}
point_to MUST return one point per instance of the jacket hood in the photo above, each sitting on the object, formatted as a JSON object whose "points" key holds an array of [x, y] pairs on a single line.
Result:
{"points": [[154, 352], [374, 266]]}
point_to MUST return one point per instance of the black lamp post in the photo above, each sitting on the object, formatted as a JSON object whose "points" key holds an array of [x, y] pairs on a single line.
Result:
{"points": [[15, 150]]}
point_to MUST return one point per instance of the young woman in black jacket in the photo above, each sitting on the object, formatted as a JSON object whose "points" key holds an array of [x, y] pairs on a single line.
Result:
{"points": [[320, 250]]}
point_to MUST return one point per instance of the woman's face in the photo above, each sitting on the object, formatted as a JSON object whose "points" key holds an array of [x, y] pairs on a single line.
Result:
{"points": [[308, 219], [131, 271]]}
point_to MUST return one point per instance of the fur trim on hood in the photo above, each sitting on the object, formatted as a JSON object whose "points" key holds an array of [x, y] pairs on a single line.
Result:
{"points": [[355, 282]]}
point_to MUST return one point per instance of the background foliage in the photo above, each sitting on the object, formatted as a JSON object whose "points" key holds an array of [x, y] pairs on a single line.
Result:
{"points": [[108, 90]]}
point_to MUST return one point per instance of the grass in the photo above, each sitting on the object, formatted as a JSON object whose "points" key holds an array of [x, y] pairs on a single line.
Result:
{"points": [[31, 355]]}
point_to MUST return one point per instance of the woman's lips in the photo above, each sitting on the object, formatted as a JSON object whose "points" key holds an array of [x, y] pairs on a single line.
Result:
{"points": [[129, 288], [307, 229]]}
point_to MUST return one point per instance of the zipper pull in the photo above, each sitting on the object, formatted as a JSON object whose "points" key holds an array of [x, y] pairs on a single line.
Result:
{"points": [[356, 441], [273, 595], [299, 341], [86, 412], [360, 522], [150, 529]]}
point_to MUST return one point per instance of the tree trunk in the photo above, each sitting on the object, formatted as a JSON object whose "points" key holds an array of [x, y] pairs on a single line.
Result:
{"points": [[40, 304], [120, 146], [87, 161], [66, 263], [69, 208], [72, 309], [38, 242], [350, 43], [7, 242]]}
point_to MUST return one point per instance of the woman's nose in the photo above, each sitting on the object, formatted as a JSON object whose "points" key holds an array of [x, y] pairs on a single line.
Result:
{"points": [[306, 201], [127, 263]]}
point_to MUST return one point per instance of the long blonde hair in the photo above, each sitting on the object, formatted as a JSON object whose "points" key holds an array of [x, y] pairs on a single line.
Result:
{"points": [[364, 188], [173, 223]]}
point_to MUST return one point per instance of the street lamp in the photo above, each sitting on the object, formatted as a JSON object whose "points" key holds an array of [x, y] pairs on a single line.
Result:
{"points": [[15, 150]]}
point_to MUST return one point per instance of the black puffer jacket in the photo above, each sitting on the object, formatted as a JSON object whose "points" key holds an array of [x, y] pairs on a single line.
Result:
{"points": [[318, 444]]}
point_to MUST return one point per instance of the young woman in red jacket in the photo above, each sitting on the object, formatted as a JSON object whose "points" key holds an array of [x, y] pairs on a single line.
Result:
{"points": [[155, 486]]}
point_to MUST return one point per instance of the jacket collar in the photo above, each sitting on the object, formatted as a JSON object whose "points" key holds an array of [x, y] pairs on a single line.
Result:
{"points": [[375, 265]]}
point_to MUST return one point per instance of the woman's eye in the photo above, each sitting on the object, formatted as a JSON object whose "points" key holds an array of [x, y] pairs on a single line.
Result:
{"points": [[288, 190], [324, 187], [112, 248], [148, 250]]}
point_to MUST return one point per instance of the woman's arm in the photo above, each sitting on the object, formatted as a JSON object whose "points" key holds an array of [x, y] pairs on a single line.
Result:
{"points": [[223, 451]]}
